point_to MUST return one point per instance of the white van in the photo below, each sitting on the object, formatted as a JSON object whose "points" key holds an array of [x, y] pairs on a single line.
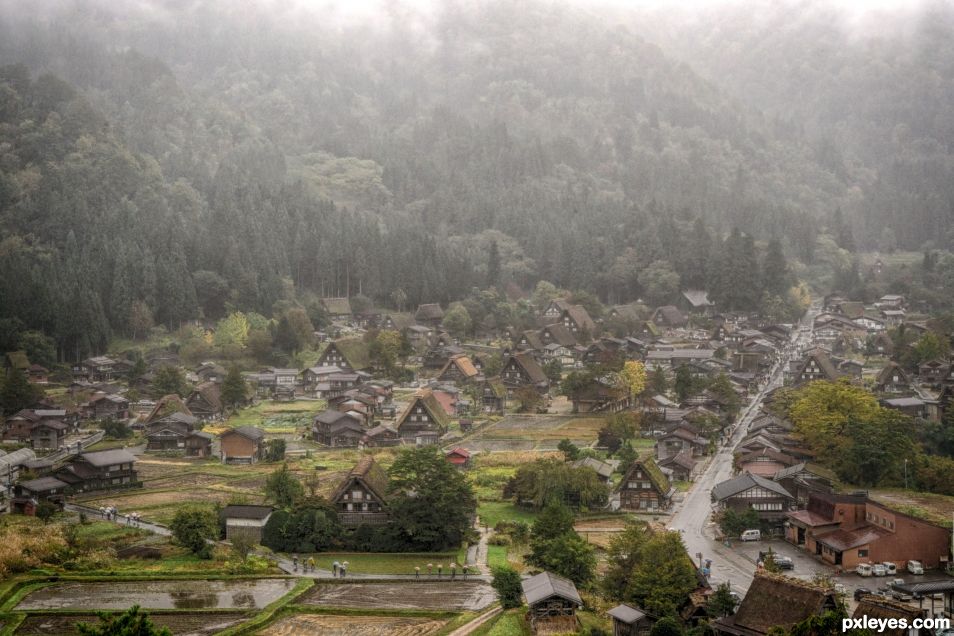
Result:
{"points": [[915, 567], [890, 568], [751, 535], [863, 569]]}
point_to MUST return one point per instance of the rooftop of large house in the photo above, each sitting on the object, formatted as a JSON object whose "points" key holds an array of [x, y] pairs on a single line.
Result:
{"points": [[109, 457]]}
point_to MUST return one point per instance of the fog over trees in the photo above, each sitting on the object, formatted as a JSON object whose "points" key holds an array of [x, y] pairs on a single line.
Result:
{"points": [[166, 161]]}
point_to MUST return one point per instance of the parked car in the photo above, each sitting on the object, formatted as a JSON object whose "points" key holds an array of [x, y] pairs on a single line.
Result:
{"points": [[897, 582], [861, 591], [898, 595], [864, 569], [784, 562], [890, 568], [751, 535], [915, 567], [878, 570]]}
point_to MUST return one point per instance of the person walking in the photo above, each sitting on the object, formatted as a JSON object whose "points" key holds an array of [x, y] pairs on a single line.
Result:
{"points": [[430, 569], [334, 569], [440, 567], [417, 571], [344, 569], [453, 569], [311, 564]]}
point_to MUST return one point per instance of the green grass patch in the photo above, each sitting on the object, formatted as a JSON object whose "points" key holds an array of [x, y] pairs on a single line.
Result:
{"points": [[497, 556], [508, 623], [493, 512]]}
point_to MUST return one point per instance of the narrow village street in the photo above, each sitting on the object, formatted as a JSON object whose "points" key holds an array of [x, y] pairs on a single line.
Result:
{"points": [[735, 563]]}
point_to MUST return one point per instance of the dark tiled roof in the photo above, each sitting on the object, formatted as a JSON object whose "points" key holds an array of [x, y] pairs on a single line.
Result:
{"points": [[250, 432], [743, 482], [626, 614], [370, 474], [109, 457], [246, 512], [779, 601]]}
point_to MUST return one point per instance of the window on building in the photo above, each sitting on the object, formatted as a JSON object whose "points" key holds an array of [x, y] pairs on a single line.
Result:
{"points": [[862, 554]]}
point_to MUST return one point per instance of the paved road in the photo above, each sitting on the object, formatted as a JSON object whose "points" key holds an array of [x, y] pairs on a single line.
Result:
{"points": [[736, 564]]}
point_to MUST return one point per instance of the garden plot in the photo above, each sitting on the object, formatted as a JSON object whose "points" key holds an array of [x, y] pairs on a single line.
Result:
{"points": [[354, 626], [180, 624], [535, 432], [447, 595]]}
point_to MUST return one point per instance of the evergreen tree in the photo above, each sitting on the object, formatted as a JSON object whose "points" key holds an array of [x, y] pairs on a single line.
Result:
{"points": [[132, 622], [775, 276], [234, 390], [17, 393], [493, 264]]}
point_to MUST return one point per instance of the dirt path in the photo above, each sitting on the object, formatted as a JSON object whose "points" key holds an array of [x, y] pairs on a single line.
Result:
{"points": [[477, 554], [470, 627]]}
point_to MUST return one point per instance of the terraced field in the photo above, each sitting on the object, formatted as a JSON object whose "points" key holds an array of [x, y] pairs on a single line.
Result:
{"points": [[405, 595], [354, 626]]}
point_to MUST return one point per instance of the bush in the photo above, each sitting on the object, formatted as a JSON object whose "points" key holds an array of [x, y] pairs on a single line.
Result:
{"points": [[507, 584]]}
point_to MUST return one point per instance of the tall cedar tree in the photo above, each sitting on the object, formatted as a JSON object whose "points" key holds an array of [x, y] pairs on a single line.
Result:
{"points": [[234, 391], [430, 500]]}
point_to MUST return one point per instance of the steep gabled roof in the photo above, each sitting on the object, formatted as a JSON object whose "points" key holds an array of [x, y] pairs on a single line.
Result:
{"points": [[533, 339], [355, 351], [581, 317], [167, 405], [463, 363], [602, 468], [824, 364], [18, 360], [778, 601], [560, 334], [886, 375], [368, 473], [211, 392], [337, 306], [697, 297], [669, 315], [648, 465], [425, 398], [429, 311], [532, 368]]}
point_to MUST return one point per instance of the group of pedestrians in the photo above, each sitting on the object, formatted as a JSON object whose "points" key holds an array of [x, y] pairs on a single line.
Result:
{"points": [[307, 565], [440, 570], [109, 513]]}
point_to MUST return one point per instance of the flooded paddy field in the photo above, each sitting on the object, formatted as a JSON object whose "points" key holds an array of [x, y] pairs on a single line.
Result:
{"points": [[180, 624], [405, 595], [187, 594]]}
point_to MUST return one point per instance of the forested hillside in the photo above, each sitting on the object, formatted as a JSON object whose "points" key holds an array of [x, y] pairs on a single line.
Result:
{"points": [[870, 93], [180, 158]]}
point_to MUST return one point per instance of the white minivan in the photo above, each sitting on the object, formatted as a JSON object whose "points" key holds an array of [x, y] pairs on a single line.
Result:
{"points": [[863, 569], [915, 567], [751, 535]]}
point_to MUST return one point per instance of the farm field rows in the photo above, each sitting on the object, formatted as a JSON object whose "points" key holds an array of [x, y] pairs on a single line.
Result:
{"points": [[180, 623], [330, 625]]}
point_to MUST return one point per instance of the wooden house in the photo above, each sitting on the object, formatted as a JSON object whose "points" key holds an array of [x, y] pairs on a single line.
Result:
{"points": [[680, 467], [361, 498], [776, 601], [338, 429], [210, 372], [48, 434], [934, 372], [198, 444], [103, 406], [429, 314], [424, 420], [604, 471], [169, 433], [695, 301], [337, 308], [893, 380], [348, 354], [28, 495], [645, 488], [522, 370], [493, 395], [396, 322], [679, 439], [380, 436], [38, 374], [553, 602], [816, 365], [97, 369], [205, 401], [246, 521], [747, 491], [100, 470], [630, 621], [578, 322], [669, 317], [242, 445], [558, 333], [459, 369], [529, 341]]}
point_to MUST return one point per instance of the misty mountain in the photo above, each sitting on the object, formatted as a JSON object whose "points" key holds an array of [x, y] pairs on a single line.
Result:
{"points": [[155, 151]]}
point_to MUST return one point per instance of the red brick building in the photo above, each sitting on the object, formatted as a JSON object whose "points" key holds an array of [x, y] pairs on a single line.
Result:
{"points": [[847, 530]]}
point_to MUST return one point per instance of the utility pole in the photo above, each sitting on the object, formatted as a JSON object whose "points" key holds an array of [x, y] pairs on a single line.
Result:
{"points": [[905, 474]]}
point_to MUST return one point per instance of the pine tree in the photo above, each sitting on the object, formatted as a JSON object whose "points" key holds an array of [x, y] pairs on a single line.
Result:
{"points": [[17, 393], [493, 264]]}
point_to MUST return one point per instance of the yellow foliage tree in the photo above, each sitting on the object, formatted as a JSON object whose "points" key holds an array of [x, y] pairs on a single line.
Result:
{"points": [[632, 378], [822, 411]]}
